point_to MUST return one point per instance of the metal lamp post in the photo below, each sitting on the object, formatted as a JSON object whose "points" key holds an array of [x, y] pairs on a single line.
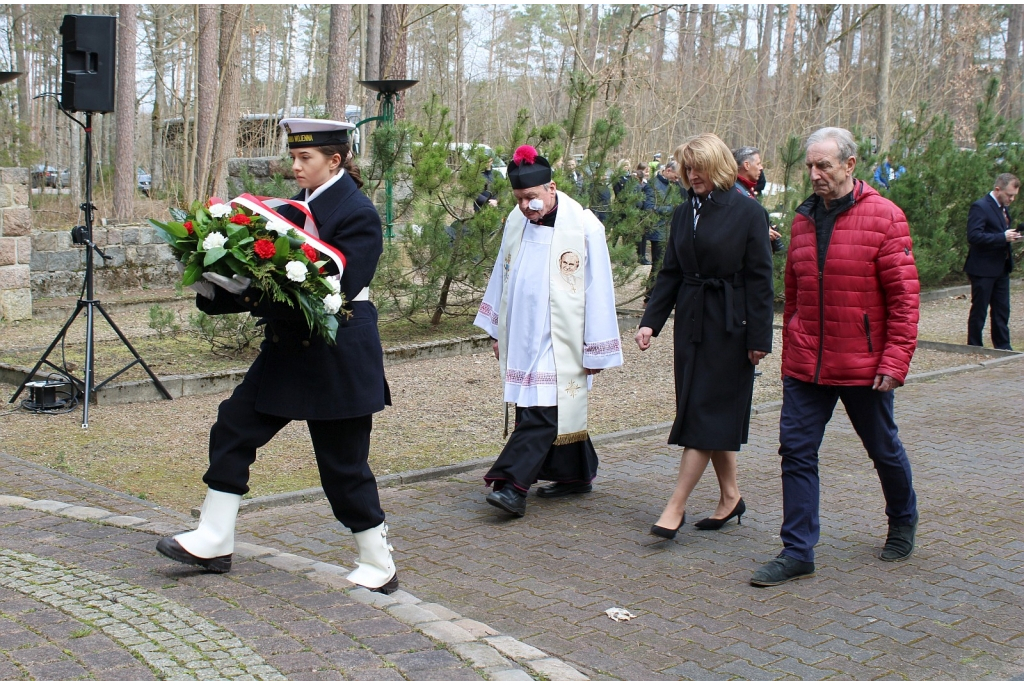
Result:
{"points": [[387, 93]]}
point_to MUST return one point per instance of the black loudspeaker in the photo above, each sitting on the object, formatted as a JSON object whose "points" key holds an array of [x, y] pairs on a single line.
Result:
{"points": [[87, 63]]}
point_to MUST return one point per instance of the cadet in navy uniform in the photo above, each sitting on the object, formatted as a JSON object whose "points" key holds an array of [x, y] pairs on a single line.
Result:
{"points": [[299, 376]]}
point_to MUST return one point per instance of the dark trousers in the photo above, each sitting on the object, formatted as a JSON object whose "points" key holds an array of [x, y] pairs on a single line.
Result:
{"points": [[342, 448], [806, 410], [991, 293], [657, 250], [531, 454]]}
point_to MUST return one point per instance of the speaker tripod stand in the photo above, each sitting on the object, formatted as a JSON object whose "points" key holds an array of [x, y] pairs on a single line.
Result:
{"points": [[82, 235]]}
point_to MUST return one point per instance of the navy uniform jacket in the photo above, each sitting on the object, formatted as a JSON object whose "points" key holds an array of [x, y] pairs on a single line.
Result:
{"points": [[989, 254], [301, 376]]}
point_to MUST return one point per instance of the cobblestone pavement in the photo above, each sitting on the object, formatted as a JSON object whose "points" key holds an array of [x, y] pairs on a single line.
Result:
{"points": [[953, 611], [84, 595]]}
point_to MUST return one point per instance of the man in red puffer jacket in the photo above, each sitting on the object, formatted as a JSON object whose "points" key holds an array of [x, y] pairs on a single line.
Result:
{"points": [[849, 332]]}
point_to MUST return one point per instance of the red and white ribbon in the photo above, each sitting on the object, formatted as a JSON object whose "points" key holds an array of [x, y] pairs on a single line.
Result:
{"points": [[264, 206]]}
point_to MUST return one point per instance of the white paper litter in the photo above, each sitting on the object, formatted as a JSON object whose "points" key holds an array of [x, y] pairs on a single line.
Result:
{"points": [[619, 614]]}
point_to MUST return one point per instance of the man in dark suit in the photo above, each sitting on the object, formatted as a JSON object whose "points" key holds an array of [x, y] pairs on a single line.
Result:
{"points": [[990, 261]]}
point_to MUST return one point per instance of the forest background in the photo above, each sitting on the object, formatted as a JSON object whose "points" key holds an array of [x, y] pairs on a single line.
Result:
{"points": [[937, 88]]}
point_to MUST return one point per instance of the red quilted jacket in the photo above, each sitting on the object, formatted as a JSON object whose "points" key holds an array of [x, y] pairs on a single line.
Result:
{"points": [[858, 317]]}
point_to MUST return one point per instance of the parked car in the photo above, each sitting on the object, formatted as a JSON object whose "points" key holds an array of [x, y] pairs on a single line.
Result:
{"points": [[46, 176], [145, 181]]}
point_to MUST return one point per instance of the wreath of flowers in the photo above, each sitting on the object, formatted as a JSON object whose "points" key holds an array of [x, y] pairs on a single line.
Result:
{"points": [[214, 237]]}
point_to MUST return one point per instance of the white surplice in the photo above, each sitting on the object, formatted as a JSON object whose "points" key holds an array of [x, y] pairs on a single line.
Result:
{"points": [[530, 378]]}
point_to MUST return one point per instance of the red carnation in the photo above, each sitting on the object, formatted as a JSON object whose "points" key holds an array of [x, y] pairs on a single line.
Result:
{"points": [[241, 220], [309, 252], [525, 154], [265, 248], [188, 227]]}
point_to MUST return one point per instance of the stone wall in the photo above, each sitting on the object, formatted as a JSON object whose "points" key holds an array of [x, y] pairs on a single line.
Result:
{"points": [[15, 245], [139, 258]]}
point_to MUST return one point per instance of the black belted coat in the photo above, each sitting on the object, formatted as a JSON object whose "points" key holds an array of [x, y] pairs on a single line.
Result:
{"points": [[720, 283], [300, 375]]}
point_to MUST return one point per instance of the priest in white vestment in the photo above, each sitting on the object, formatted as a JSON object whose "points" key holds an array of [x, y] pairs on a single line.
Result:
{"points": [[550, 307]]}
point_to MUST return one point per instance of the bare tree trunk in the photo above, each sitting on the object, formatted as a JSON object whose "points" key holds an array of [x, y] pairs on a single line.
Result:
{"points": [[314, 34], [125, 110], [764, 52], [206, 92], [394, 47], [19, 26], [707, 36], [595, 25], [658, 49], [288, 69], [786, 61], [157, 47], [337, 62], [884, 65], [813, 95], [371, 63], [461, 99], [226, 141], [1011, 62]]}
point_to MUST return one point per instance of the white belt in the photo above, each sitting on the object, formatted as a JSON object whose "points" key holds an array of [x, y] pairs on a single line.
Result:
{"points": [[363, 295]]}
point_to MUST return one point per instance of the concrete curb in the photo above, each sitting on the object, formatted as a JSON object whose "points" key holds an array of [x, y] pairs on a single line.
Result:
{"points": [[499, 657]]}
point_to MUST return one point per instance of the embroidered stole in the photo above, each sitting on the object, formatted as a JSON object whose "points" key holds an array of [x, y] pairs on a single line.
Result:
{"points": [[567, 302]]}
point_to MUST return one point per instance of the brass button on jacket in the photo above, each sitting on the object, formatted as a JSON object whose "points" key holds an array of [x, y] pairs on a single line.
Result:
{"points": [[305, 343], [276, 338]]}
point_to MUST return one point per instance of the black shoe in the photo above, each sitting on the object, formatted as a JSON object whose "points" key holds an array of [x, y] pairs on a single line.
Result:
{"points": [[508, 499], [388, 587], [668, 533], [170, 548], [563, 489], [899, 543], [715, 524], [781, 569], [645, 262]]}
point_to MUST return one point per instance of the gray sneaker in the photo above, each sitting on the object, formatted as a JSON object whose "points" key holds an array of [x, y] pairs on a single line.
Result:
{"points": [[899, 543], [781, 569]]}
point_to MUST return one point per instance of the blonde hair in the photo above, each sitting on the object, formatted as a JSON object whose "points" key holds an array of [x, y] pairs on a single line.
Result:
{"points": [[706, 152]]}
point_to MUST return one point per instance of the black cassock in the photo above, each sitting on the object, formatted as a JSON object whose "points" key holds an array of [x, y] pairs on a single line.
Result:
{"points": [[720, 283], [299, 376]]}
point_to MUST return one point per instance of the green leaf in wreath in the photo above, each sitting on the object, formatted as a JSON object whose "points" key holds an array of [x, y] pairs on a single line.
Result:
{"points": [[236, 231], [213, 255], [165, 235], [191, 275], [202, 216], [177, 229], [179, 215]]}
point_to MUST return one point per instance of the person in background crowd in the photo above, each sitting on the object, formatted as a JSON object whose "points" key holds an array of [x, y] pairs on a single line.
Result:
{"points": [[575, 175], [717, 276], [849, 333], [667, 197], [990, 261], [750, 182], [645, 204], [885, 174], [550, 308]]}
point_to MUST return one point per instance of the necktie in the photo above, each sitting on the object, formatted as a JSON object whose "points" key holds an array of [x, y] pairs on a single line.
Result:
{"points": [[1006, 215]]}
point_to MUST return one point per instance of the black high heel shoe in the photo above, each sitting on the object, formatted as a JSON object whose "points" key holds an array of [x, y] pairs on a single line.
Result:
{"points": [[715, 524], [667, 533]]}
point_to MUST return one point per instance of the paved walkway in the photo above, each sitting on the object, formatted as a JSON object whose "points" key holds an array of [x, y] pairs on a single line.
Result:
{"points": [[491, 597]]}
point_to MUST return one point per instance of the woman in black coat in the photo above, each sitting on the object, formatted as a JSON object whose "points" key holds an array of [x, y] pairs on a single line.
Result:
{"points": [[717, 274], [298, 375]]}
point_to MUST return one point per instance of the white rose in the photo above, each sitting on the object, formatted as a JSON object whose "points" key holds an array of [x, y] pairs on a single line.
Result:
{"points": [[214, 239], [332, 303], [278, 227], [219, 211], [296, 271], [335, 283]]}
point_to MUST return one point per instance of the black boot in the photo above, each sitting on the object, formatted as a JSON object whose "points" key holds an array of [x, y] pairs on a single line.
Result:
{"points": [[899, 543]]}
